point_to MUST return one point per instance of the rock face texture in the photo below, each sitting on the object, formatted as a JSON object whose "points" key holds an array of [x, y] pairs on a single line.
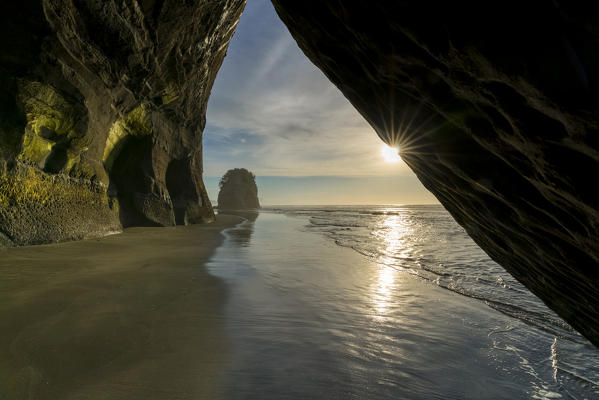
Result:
{"points": [[238, 190], [494, 105], [102, 107]]}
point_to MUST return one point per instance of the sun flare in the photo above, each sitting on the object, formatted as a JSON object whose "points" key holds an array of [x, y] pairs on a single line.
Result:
{"points": [[390, 154]]}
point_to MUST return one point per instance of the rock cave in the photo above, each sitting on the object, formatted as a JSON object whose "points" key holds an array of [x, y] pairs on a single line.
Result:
{"points": [[103, 107]]}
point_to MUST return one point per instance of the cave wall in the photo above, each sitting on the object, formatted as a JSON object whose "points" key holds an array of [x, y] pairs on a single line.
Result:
{"points": [[494, 106], [99, 99]]}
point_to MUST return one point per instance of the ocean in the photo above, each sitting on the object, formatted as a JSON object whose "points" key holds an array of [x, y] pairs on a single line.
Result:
{"points": [[385, 302]]}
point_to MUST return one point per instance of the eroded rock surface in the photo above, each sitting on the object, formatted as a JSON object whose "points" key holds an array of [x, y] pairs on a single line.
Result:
{"points": [[102, 107], [238, 190], [495, 107]]}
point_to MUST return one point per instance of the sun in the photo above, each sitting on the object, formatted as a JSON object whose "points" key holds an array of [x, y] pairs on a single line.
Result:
{"points": [[390, 154]]}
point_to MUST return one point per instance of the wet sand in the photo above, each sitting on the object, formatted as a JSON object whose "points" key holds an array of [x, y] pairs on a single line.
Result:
{"points": [[129, 316]]}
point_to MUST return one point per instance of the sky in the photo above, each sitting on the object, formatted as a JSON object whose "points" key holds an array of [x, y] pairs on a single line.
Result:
{"points": [[275, 113]]}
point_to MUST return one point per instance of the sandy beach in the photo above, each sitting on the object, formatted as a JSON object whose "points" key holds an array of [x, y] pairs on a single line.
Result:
{"points": [[128, 316]]}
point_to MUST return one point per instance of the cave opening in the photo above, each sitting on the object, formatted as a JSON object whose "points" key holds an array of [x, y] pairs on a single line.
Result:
{"points": [[130, 179], [180, 186]]}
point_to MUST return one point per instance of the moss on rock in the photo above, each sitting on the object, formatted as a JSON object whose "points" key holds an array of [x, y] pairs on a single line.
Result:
{"points": [[35, 148], [68, 71], [37, 187], [170, 94], [136, 123], [46, 108], [36, 207], [51, 118]]}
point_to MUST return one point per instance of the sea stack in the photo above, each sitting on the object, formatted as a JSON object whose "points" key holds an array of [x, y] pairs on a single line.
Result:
{"points": [[238, 190]]}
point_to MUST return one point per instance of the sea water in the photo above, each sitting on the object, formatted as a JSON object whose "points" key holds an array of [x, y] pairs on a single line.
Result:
{"points": [[386, 302]]}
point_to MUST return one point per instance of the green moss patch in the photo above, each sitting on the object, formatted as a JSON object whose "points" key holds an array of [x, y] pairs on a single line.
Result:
{"points": [[32, 186], [137, 123], [51, 119], [46, 108], [170, 94], [36, 207], [35, 148]]}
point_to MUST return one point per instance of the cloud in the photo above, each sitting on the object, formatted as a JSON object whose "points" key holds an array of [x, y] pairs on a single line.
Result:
{"points": [[273, 112]]}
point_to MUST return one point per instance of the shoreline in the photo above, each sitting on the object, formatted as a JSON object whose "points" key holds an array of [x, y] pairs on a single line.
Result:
{"points": [[308, 318], [129, 316]]}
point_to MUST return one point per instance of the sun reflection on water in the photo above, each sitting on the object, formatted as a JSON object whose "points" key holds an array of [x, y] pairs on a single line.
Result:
{"points": [[393, 233]]}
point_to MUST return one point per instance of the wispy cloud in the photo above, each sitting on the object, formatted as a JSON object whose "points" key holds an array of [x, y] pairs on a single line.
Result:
{"points": [[274, 112]]}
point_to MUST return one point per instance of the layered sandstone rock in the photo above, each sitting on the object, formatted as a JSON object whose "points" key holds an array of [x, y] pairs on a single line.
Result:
{"points": [[238, 190], [495, 107], [101, 113]]}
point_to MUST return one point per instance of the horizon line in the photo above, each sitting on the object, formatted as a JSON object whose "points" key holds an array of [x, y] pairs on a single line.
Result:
{"points": [[322, 176], [346, 205]]}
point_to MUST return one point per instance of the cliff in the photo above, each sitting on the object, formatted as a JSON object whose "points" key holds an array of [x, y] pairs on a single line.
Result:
{"points": [[101, 113], [238, 190], [494, 106]]}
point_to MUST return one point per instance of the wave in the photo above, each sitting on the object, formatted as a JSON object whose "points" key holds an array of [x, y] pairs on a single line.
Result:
{"points": [[485, 285]]}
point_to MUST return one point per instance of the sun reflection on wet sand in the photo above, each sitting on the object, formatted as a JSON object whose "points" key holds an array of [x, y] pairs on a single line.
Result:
{"points": [[394, 229], [382, 290]]}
